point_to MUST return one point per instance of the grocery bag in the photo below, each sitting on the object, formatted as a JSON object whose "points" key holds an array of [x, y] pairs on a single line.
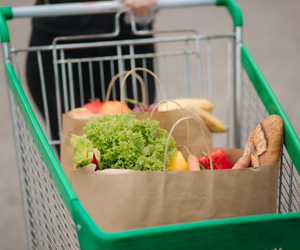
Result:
{"points": [[119, 199], [73, 125]]}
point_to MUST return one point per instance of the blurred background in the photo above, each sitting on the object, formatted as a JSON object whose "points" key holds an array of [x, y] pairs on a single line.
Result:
{"points": [[271, 34]]}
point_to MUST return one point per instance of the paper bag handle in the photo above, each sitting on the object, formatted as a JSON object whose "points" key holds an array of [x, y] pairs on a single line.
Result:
{"points": [[140, 69], [170, 134], [187, 124], [113, 80]]}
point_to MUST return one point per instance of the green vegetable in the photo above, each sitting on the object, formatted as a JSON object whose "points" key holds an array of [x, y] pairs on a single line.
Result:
{"points": [[125, 142], [83, 151]]}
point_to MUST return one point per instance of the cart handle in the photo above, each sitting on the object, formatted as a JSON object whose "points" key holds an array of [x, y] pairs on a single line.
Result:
{"points": [[7, 13]]}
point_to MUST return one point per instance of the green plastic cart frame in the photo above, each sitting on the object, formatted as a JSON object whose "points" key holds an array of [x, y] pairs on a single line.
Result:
{"points": [[253, 232]]}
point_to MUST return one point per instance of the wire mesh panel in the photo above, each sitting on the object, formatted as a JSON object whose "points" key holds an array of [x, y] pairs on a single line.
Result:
{"points": [[252, 112], [49, 224], [198, 66]]}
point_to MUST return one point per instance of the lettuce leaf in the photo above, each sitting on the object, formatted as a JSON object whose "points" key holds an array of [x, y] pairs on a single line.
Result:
{"points": [[124, 142], [83, 151]]}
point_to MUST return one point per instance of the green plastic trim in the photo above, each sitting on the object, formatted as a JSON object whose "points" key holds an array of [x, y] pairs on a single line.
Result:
{"points": [[66, 191], [272, 105], [5, 14], [234, 10], [212, 234]]}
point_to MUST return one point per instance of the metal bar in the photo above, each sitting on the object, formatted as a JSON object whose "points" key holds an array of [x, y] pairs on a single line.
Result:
{"points": [[6, 50], [57, 88], [145, 79], [209, 70], [166, 83], [80, 84], [177, 72], [18, 68], [91, 80], [280, 185], [102, 80], [112, 74], [237, 83], [134, 83], [186, 70], [124, 42], [95, 7], [64, 78], [121, 67], [19, 161], [290, 186], [46, 110], [199, 68], [124, 57], [71, 85], [229, 48]]}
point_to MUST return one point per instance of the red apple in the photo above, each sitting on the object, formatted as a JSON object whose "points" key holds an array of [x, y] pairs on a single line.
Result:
{"points": [[94, 106]]}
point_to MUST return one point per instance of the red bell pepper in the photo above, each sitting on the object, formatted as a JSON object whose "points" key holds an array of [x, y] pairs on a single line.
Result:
{"points": [[219, 159]]}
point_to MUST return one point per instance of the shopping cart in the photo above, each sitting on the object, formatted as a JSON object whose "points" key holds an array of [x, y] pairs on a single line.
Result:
{"points": [[54, 217]]}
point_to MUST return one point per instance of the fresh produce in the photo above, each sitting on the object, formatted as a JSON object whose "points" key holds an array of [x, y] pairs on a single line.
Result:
{"points": [[94, 161], [196, 103], [93, 106], [243, 162], [84, 151], [219, 159], [80, 112], [202, 107], [123, 142], [141, 107], [178, 163], [193, 164], [113, 107], [213, 123]]}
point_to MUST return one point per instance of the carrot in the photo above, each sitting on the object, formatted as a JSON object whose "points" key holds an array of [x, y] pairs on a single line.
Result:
{"points": [[193, 164], [243, 162]]}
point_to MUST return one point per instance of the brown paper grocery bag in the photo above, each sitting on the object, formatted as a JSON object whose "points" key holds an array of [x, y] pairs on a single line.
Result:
{"points": [[73, 125], [126, 199]]}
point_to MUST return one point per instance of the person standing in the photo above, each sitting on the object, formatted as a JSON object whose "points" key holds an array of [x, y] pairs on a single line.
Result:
{"points": [[46, 29]]}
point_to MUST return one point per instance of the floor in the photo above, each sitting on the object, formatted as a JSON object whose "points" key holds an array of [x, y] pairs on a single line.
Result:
{"points": [[271, 34]]}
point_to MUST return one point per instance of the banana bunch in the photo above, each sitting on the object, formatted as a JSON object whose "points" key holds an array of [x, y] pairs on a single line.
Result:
{"points": [[202, 107]]}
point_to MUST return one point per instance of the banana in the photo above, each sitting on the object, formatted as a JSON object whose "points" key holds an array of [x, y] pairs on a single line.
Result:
{"points": [[212, 122], [202, 107], [195, 103]]}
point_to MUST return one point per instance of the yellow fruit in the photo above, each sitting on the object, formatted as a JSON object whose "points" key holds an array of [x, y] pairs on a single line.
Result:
{"points": [[212, 122], [195, 103], [202, 106], [178, 163]]}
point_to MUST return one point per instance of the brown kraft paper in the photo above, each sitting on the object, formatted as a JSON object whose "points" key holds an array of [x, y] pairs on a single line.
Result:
{"points": [[126, 199], [73, 125]]}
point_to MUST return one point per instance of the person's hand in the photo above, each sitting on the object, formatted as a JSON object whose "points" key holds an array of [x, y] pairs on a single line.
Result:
{"points": [[139, 7]]}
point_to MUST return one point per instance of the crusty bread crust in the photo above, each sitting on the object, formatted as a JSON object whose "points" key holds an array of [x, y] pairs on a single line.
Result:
{"points": [[267, 141], [249, 143]]}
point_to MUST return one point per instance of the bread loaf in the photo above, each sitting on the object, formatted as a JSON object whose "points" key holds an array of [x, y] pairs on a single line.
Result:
{"points": [[249, 143], [267, 141]]}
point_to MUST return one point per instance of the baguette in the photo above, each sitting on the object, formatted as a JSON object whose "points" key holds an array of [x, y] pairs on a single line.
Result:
{"points": [[267, 141], [249, 143]]}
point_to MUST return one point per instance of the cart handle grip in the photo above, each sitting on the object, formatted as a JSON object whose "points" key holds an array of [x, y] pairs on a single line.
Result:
{"points": [[5, 14], [234, 10]]}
